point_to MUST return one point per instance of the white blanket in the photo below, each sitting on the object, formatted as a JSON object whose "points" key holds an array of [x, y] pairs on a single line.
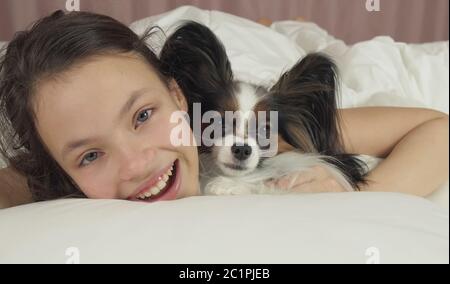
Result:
{"points": [[378, 72]]}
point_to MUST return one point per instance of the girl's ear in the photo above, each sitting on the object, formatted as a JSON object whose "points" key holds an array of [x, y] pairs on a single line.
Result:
{"points": [[178, 95]]}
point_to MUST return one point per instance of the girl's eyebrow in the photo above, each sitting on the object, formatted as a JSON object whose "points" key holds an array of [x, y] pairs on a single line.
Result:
{"points": [[135, 95], [72, 145]]}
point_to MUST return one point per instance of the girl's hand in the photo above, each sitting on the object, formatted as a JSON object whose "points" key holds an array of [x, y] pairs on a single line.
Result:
{"points": [[317, 179]]}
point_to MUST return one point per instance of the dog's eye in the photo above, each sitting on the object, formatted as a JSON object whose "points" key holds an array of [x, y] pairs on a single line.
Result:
{"points": [[264, 130], [263, 136], [227, 126]]}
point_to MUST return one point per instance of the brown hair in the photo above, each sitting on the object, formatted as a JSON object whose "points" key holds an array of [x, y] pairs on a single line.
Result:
{"points": [[53, 45]]}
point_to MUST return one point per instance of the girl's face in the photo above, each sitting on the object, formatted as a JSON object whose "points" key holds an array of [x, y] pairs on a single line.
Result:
{"points": [[107, 123]]}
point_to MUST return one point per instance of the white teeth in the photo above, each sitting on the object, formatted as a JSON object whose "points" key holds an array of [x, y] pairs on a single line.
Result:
{"points": [[161, 184], [154, 190]]}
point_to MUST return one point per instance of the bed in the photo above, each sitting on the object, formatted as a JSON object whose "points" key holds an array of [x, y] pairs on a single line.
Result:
{"points": [[309, 228]]}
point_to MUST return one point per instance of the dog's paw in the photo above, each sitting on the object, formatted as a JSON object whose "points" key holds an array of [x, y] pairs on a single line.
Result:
{"points": [[219, 191], [226, 186]]}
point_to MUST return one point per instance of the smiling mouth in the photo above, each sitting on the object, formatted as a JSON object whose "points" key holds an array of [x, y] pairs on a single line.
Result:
{"points": [[164, 183]]}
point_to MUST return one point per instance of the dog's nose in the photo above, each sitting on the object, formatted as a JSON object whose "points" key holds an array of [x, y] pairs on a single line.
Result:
{"points": [[241, 152]]}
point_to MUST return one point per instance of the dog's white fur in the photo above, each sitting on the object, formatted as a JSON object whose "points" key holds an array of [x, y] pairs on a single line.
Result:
{"points": [[213, 182]]}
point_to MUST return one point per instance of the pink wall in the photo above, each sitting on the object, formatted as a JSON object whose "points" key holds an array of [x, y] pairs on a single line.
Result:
{"points": [[404, 20]]}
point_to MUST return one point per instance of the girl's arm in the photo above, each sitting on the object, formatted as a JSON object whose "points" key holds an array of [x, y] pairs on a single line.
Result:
{"points": [[13, 189], [413, 141]]}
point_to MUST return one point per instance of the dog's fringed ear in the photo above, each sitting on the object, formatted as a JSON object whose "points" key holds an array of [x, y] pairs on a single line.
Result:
{"points": [[306, 100], [197, 60]]}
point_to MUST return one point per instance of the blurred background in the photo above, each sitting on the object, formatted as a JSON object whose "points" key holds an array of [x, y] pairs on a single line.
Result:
{"points": [[412, 21]]}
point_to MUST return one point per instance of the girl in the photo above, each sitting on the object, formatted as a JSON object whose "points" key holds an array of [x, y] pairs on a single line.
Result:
{"points": [[85, 112]]}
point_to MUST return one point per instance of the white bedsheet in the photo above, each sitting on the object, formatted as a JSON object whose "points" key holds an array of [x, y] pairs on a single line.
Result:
{"points": [[319, 228]]}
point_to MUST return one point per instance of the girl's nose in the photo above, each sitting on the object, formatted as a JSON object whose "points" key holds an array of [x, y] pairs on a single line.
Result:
{"points": [[136, 165]]}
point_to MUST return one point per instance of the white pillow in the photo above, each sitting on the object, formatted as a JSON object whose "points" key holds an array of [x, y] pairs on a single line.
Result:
{"points": [[258, 54], [309, 228]]}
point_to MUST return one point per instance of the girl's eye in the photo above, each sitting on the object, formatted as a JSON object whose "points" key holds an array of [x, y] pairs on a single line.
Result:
{"points": [[89, 158], [144, 115]]}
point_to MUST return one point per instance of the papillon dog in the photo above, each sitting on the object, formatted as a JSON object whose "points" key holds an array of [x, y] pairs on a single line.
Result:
{"points": [[303, 101]]}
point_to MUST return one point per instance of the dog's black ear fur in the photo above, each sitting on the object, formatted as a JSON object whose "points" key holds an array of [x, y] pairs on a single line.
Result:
{"points": [[197, 60], [306, 100], [305, 97]]}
